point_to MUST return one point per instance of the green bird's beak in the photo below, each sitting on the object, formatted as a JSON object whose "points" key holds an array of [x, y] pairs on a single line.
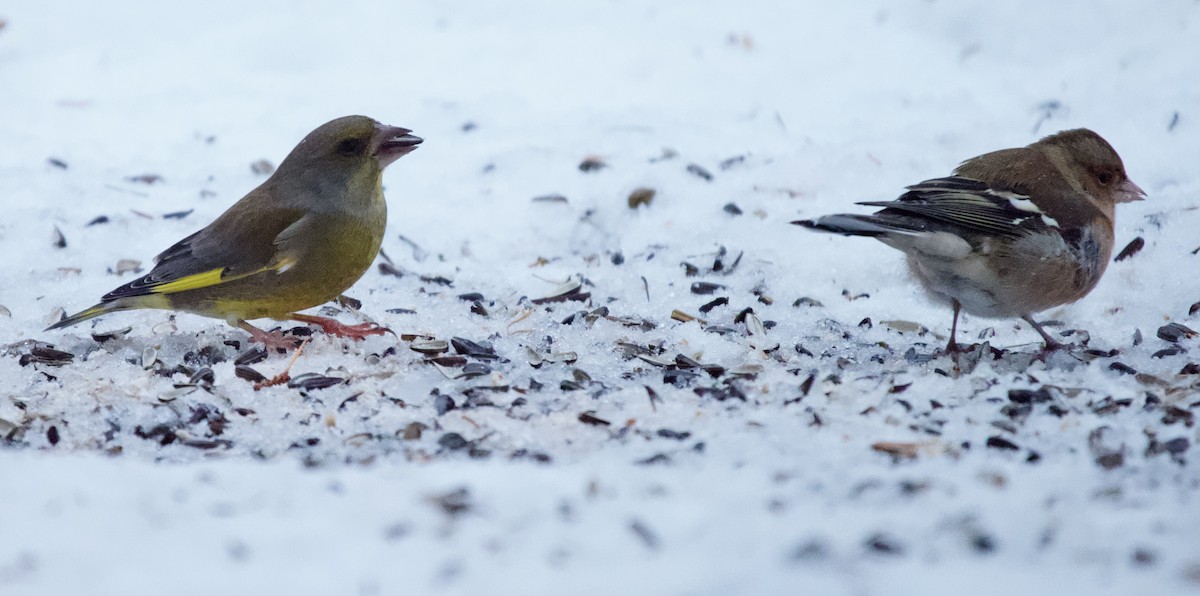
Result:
{"points": [[393, 142]]}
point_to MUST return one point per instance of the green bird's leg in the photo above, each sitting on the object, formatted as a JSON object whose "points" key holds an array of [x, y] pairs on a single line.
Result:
{"points": [[270, 339], [339, 329]]}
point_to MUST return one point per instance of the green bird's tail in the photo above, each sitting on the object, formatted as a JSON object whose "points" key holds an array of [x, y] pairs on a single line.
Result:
{"points": [[100, 309]]}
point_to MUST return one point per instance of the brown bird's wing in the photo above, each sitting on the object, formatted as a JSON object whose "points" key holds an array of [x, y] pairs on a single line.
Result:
{"points": [[240, 242], [960, 204]]}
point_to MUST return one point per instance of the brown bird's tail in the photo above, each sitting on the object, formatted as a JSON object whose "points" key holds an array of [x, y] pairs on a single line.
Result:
{"points": [[100, 309], [855, 225]]}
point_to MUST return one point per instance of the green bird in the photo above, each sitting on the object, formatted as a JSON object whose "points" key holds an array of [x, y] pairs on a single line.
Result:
{"points": [[300, 239]]}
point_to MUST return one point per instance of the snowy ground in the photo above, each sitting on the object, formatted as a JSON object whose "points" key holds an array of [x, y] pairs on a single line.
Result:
{"points": [[828, 455]]}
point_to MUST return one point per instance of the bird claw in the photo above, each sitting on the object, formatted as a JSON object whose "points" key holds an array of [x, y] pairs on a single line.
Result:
{"points": [[339, 329], [273, 340]]}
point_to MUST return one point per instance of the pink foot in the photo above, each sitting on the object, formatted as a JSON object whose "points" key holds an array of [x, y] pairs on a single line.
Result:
{"points": [[272, 340], [339, 329]]}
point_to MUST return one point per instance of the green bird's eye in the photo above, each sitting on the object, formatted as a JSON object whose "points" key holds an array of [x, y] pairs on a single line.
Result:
{"points": [[351, 147]]}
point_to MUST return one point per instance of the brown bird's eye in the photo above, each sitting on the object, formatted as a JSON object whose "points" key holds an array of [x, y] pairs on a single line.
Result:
{"points": [[1105, 177], [351, 147]]}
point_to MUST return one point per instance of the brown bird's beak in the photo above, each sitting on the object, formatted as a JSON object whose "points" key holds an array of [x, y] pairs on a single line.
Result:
{"points": [[1127, 192], [393, 142]]}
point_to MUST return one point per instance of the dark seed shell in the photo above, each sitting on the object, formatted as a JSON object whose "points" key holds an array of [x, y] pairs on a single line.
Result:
{"points": [[314, 381], [254, 355], [246, 373], [467, 347], [589, 418], [703, 288], [1130, 249]]}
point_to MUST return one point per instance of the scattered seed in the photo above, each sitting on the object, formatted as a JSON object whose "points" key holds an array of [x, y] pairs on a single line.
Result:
{"points": [[389, 269], [732, 209], [569, 291], [262, 167], [449, 361], [897, 449], [998, 442], [1173, 332], [474, 369], [644, 534], [1030, 396], [884, 545], [453, 442], [1130, 249], [732, 161], [144, 178], [697, 170], [806, 301], [567, 357], [592, 163], [704, 288], [412, 431], [126, 266], [658, 458], [590, 418], [535, 359], [1122, 368], [641, 196], [204, 375], [674, 435], [149, 357], [719, 265], [102, 219], [903, 326], [666, 154], [254, 355], [550, 198], [177, 392], [722, 301], [178, 214], [683, 317], [655, 360], [443, 403], [101, 337], [429, 346], [57, 239], [1168, 351], [56, 162], [309, 381], [754, 326], [467, 347], [244, 372]]}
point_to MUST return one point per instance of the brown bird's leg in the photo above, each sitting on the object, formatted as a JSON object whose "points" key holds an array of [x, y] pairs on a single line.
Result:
{"points": [[952, 345], [269, 339], [333, 327], [1051, 343]]}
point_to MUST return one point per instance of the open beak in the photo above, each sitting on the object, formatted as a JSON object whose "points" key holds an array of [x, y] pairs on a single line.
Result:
{"points": [[1127, 192], [393, 142]]}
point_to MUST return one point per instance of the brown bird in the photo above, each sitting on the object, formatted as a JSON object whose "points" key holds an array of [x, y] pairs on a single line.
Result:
{"points": [[300, 239], [1011, 232]]}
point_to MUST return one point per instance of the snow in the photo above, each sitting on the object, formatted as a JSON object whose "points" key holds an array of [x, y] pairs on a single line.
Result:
{"points": [[818, 105]]}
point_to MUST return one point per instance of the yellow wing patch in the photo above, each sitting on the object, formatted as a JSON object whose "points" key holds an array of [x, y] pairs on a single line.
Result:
{"points": [[191, 282], [213, 277]]}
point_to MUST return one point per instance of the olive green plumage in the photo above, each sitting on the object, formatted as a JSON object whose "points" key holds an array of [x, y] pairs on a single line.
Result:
{"points": [[298, 240]]}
